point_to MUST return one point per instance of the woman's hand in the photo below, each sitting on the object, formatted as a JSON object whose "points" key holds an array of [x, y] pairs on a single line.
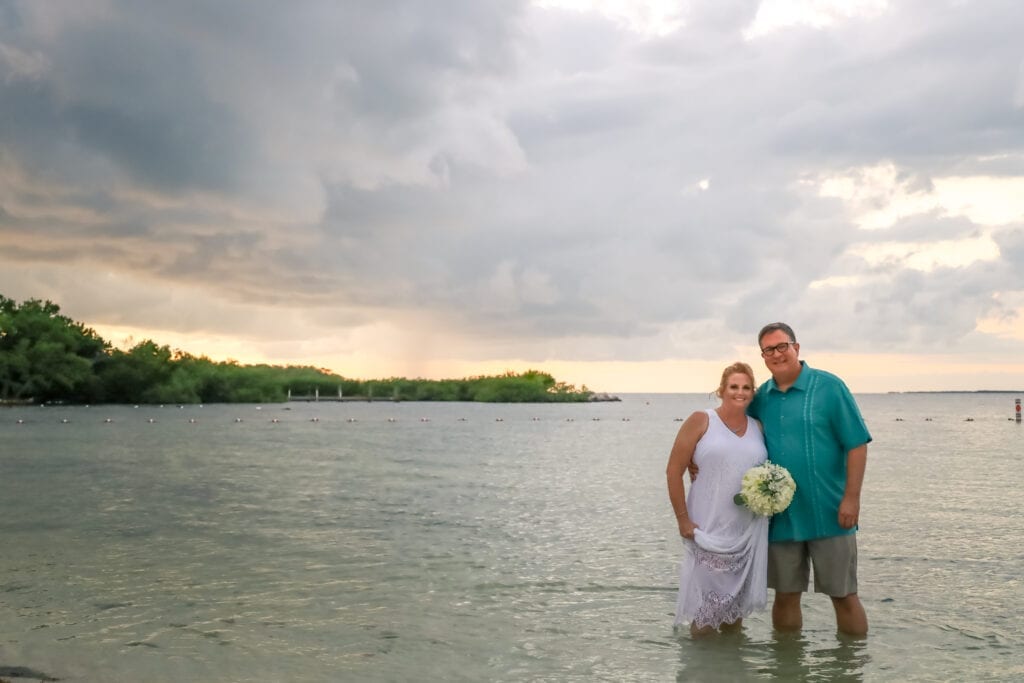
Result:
{"points": [[686, 527]]}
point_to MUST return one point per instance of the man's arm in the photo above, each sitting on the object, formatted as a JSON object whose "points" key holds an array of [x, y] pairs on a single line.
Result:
{"points": [[849, 506]]}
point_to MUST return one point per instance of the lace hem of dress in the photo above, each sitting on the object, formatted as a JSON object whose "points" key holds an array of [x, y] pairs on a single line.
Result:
{"points": [[717, 609], [717, 561]]}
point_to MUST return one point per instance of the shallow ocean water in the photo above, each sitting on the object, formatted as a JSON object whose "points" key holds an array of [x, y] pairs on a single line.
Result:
{"points": [[453, 541]]}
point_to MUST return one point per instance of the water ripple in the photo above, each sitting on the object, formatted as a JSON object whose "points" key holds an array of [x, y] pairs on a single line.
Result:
{"points": [[520, 550]]}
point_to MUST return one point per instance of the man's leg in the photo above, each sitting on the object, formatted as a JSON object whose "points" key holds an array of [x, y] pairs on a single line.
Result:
{"points": [[835, 573], [850, 616], [788, 573], [786, 614]]}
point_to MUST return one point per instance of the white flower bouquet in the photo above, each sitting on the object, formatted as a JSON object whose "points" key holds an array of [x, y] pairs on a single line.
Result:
{"points": [[766, 489]]}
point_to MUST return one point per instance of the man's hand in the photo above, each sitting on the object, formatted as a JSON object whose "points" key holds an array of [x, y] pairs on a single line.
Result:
{"points": [[849, 512], [692, 469]]}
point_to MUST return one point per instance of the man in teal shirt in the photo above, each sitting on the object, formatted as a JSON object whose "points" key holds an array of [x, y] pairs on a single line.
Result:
{"points": [[813, 428]]}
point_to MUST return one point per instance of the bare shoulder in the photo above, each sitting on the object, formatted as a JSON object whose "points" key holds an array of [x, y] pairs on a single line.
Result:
{"points": [[696, 424], [690, 433]]}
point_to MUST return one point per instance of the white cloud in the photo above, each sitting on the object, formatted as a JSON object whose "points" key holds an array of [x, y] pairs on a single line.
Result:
{"points": [[880, 196], [774, 15], [645, 17], [837, 282], [1009, 323], [928, 256]]}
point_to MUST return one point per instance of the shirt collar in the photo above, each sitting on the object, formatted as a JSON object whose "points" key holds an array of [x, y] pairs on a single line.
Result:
{"points": [[802, 380]]}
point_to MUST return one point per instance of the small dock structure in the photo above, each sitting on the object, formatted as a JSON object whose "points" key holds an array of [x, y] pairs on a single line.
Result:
{"points": [[317, 398]]}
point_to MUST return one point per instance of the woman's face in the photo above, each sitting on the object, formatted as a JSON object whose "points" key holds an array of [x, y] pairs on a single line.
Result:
{"points": [[738, 390]]}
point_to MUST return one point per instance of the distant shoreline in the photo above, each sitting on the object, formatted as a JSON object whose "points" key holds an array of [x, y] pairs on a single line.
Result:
{"points": [[962, 391]]}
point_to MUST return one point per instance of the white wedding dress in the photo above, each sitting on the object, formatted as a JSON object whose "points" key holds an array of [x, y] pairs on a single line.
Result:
{"points": [[724, 572]]}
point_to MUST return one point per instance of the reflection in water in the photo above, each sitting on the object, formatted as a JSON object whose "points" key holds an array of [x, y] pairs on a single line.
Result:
{"points": [[785, 656], [794, 657], [715, 657]]}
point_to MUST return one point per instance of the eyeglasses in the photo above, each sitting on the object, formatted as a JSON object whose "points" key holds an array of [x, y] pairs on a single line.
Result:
{"points": [[778, 348]]}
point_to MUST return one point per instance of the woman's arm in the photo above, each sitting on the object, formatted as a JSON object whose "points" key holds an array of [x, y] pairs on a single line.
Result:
{"points": [[678, 460]]}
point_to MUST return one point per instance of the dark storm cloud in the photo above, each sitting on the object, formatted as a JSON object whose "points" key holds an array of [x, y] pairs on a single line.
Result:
{"points": [[127, 94], [528, 176]]}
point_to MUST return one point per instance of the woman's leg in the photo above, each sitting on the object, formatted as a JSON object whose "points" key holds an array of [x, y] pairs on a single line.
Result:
{"points": [[734, 627]]}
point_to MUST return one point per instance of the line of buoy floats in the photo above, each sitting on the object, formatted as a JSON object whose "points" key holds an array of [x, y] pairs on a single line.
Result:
{"points": [[274, 420], [898, 419]]}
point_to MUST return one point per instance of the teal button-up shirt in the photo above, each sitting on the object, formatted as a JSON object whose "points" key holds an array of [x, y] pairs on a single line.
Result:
{"points": [[809, 429]]}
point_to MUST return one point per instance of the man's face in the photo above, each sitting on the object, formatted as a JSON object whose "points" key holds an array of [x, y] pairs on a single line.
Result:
{"points": [[780, 361]]}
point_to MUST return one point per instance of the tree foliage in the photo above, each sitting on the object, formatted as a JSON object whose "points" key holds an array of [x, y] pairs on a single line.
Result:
{"points": [[45, 356]]}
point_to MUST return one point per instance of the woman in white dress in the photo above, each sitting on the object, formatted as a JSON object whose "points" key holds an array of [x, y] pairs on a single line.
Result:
{"points": [[723, 576]]}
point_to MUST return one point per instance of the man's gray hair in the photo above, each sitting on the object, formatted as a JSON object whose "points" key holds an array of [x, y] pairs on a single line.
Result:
{"points": [[772, 327]]}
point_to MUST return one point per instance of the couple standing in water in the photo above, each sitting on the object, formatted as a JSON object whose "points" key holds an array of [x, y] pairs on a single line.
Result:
{"points": [[807, 421]]}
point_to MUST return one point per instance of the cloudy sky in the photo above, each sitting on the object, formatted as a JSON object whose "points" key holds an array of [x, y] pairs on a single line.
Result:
{"points": [[618, 192]]}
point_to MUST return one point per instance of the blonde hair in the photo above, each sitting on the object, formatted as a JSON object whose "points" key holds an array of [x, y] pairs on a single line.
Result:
{"points": [[737, 368]]}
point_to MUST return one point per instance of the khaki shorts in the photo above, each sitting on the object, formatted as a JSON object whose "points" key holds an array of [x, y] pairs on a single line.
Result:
{"points": [[834, 560]]}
